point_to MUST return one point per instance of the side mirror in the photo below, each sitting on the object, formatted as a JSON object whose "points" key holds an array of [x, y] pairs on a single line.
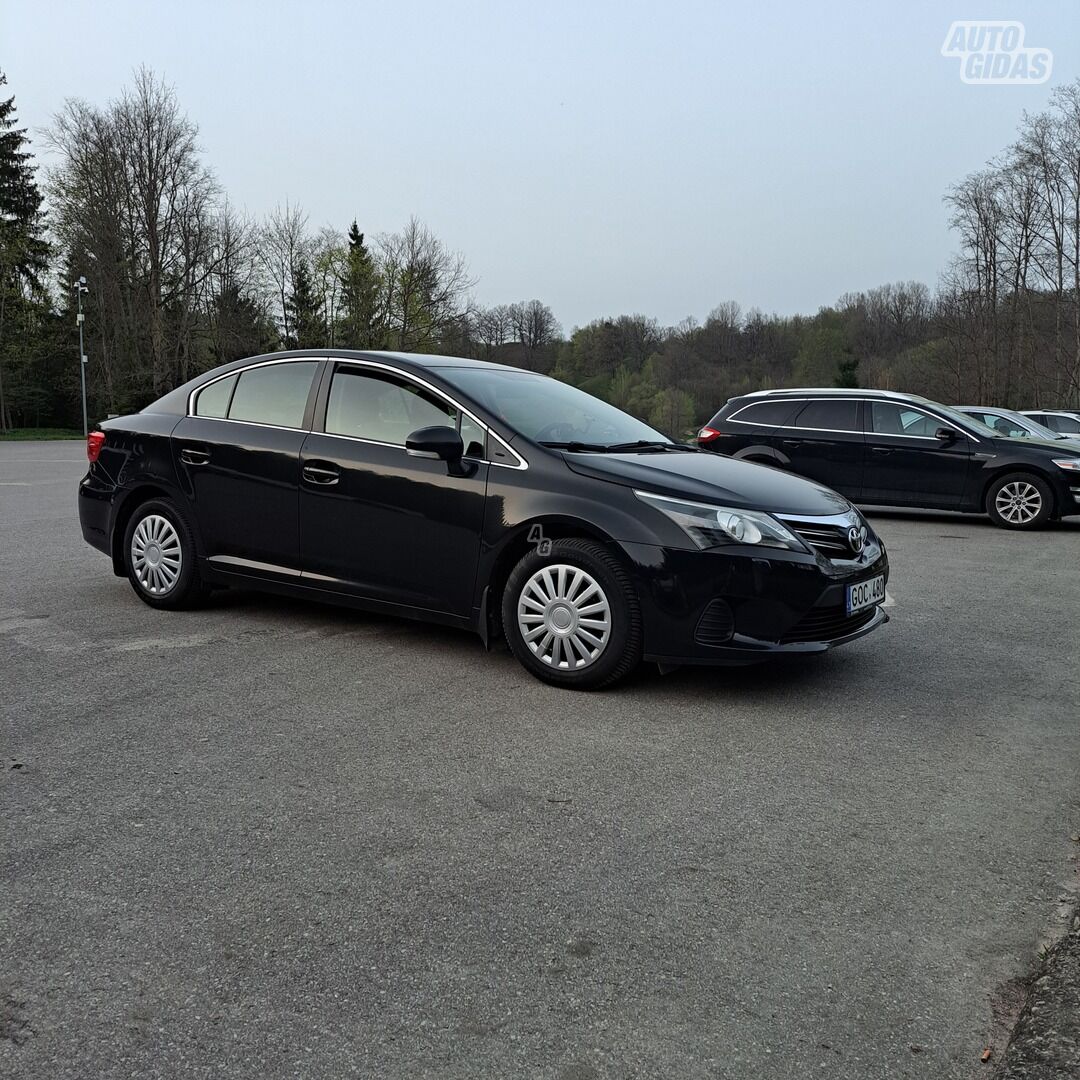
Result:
{"points": [[440, 443], [945, 435]]}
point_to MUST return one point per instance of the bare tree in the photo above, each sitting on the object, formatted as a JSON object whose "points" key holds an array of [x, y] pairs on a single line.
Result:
{"points": [[425, 287], [284, 245]]}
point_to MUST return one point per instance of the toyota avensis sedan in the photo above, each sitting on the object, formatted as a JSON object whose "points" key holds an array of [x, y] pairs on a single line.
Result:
{"points": [[879, 448], [483, 497]]}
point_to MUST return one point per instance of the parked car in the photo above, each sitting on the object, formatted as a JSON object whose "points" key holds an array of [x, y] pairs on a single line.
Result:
{"points": [[886, 449], [1015, 425], [482, 497], [1063, 421]]}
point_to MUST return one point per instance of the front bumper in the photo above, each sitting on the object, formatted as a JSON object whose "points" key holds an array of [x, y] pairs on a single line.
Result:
{"points": [[740, 605]]}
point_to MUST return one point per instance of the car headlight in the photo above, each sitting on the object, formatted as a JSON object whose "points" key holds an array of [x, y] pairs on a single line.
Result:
{"points": [[713, 526], [1072, 464]]}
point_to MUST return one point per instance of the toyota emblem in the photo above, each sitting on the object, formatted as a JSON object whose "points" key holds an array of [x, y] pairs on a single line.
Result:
{"points": [[857, 538]]}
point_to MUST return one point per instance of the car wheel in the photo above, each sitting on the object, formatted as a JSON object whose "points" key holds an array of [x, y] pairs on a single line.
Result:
{"points": [[1019, 501], [571, 616], [160, 557]]}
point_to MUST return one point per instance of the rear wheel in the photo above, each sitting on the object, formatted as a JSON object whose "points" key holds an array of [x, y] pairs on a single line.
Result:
{"points": [[572, 617], [1019, 501], [159, 554]]}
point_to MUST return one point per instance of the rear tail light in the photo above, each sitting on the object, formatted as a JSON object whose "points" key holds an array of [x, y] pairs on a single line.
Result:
{"points": [[707, 433], [94, 442]]}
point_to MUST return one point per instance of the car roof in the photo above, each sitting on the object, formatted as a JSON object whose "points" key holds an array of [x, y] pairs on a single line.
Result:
{"points": [[405, 359], [835, 391], [1048, 412], [988, 409]]}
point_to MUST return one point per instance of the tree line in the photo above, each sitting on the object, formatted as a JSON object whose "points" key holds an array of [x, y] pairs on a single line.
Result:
{"points": [[178, 282]]}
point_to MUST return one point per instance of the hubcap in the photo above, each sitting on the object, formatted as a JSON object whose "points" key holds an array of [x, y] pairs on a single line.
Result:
{"points": [[156, 556], [564, 617], [1019, 502]]}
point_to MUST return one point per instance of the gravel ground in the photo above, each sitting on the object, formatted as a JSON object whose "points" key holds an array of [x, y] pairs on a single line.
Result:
{"points": [[272, 839]]}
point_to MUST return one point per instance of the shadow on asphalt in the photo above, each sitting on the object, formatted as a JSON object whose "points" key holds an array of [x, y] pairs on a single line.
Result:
{"points": [[778, 675]]}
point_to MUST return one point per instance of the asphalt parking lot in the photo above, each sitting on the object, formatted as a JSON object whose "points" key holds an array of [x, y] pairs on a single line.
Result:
{"points": [[271, 839]]}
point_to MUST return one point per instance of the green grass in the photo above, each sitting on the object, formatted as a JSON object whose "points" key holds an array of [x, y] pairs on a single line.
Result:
{"points": [[27, 433]]}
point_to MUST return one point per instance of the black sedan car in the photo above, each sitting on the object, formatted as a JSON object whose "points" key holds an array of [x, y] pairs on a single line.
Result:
{"points": [[479, 496], [880, 448]]}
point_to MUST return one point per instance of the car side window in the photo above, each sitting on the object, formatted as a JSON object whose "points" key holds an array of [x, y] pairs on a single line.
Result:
{"points": [[1065, 424], [829, 416], [383, 408], [214, 399], [274, 394], [891, 418], [767, 413]]}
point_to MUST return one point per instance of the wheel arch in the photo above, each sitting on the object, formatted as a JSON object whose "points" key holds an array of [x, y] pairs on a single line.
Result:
{"points": [[517, 544], [133, 499], [1019, 467]]}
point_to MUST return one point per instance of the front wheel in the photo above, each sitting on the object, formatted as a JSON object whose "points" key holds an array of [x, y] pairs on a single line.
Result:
{"points": [[1019, 501], [159, 554], [571, 616]]}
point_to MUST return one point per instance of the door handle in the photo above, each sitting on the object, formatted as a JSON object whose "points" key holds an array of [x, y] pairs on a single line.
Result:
{"points": [[319, 474], [194, 457], [792, 443], [881, 450]]}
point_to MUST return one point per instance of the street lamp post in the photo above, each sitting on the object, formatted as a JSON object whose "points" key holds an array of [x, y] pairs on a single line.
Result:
{"points": [[80, 288]]}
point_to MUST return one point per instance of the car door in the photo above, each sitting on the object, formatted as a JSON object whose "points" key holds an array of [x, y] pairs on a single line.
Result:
{"points": [[906, 464], [237, 456], [825, 442], [377, 521]]}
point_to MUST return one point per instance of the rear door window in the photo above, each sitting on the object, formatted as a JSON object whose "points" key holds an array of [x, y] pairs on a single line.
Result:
{"points": [[837, 416], [214, 399], [1065, 424], [274, 394]]}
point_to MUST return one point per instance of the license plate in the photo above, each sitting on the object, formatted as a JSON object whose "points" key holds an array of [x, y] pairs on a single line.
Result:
{"points": [[865, 594]]}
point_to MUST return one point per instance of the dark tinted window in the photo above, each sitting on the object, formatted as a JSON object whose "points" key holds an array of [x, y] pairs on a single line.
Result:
{"points": [[386, 409], [830, 416], [1065, 424], [274, 394], [767, 413], [887, 418], [214, 400]]}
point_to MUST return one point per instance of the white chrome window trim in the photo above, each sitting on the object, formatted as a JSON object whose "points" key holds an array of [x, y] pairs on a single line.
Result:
{"points": [[792, 427], [922, 412], [239, 371], [521, 463], [408, 376], [847, 431]]}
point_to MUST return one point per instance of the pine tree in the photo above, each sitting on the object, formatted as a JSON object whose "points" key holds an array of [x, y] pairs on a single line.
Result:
{"points": [[307, 328], [360, 327], [23, 250]]}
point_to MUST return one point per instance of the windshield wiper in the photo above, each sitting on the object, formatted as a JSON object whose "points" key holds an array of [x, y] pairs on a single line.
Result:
{"points": [[576, 447], [620, 448]]}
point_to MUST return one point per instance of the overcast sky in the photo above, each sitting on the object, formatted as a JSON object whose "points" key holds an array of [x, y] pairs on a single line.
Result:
{"points": [[606, 157]]}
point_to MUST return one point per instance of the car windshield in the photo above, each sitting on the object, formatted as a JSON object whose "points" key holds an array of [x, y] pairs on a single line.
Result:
{"points": [[548, 411]]}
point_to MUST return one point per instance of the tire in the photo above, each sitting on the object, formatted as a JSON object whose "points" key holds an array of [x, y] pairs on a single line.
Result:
{"points": [[1019, 500], [158, 531], [580, 608]]}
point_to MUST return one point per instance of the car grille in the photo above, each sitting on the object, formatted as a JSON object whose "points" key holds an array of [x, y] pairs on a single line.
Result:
{"points": [[716, 625], [830, 540], [825, 624]]}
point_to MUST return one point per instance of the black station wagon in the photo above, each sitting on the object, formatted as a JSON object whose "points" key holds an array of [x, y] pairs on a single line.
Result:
{"points": [[886, 449]]}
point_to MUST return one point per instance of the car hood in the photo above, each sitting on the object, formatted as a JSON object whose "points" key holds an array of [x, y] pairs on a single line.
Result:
{"points": [[1060, 447], [712, 478]]}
